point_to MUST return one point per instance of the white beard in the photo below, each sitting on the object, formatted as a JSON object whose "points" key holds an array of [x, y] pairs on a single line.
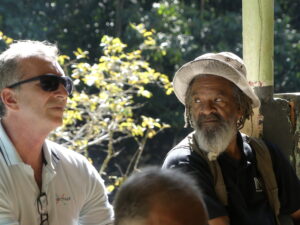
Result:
{"points": [[215, 140]]}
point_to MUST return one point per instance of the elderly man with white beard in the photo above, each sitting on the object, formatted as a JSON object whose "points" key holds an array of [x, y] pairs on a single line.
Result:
{"points": [[244, 180]]}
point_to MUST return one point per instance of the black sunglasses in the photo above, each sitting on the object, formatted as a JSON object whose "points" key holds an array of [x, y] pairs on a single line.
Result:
{"points": [[49, 82]]}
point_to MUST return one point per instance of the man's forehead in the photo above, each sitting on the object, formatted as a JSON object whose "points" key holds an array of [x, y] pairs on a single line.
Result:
{"points": [[212, 83], [39, 65]]}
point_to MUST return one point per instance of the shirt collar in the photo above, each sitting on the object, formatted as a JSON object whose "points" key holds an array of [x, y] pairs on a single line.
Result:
{"points": [[8, 151], [50, 154], [12, 157]]}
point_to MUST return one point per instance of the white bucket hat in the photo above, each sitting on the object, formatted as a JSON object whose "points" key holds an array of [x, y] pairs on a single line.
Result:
{"points": [[223, 64]]}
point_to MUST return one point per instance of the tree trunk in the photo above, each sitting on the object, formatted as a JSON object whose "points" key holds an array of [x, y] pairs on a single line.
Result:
{"points": [[119, 11]]}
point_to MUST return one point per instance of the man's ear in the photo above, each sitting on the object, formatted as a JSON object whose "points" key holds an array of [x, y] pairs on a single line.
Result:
{"points": [[9, 98], [240, 112]]}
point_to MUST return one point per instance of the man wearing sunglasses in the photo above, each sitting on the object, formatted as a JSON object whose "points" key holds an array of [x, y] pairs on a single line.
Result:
{"points": [[40, 181]]}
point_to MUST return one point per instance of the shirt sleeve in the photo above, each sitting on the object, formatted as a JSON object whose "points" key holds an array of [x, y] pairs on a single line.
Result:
{"points": [[197, 167], [287, 181], [97, 210]]}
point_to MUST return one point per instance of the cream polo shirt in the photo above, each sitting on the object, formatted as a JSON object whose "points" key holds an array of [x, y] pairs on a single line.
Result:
{"points": [[75, 192]]}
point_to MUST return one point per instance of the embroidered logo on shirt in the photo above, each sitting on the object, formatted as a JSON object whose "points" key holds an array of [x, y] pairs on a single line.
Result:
{"points": [[62, 199], [258, 184]]}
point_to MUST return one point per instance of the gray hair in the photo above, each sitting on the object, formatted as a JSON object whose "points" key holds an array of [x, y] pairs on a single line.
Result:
{"points": [[10, 68], [243, 102], [135, 197]]}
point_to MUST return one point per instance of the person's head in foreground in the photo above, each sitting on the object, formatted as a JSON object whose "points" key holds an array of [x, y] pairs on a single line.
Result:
{"points": [[159, 197], [217, 99]]}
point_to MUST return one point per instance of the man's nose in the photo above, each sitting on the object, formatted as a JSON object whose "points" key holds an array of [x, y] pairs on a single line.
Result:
{"points": [[207, 108], [61, 91]]}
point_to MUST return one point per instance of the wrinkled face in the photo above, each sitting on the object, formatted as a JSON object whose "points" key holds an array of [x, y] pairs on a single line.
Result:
{"points": [[41, 108], [214, 112]]}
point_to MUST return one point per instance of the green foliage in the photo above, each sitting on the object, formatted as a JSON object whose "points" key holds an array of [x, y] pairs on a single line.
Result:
{"points": [[286, 52]]}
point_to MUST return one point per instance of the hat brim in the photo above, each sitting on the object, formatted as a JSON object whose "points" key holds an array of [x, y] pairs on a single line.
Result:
{"points": [[188, 71]]}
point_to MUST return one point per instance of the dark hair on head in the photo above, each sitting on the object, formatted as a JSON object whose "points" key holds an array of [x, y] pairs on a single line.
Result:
{"points": [[135, 197], [245, 106], [244, 103], [188, 105]]}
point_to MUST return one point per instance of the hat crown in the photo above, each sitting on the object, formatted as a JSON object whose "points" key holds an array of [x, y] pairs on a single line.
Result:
{"points": [[223, 64], [227, 58]]}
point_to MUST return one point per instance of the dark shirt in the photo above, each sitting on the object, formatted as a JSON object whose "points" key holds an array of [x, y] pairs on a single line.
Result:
{"points": [[248, 204]]}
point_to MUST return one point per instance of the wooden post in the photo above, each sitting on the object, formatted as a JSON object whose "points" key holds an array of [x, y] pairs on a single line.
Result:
{"points": [[278, 119], [258, 45]]}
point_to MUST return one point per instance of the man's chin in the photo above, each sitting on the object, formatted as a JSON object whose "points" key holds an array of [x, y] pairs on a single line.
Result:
{"points": [[56, 121], [212, 142]]}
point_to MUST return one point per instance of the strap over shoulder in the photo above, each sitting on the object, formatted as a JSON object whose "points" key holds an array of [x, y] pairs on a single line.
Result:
{"points": [[265, 167], [215, 169]]}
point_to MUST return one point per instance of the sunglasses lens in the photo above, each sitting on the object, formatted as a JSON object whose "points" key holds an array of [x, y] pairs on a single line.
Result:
{"points": [[49, 83]]}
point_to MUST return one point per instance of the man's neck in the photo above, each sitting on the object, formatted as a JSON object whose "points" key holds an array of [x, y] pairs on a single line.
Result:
{"points": [[27, 140]]}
